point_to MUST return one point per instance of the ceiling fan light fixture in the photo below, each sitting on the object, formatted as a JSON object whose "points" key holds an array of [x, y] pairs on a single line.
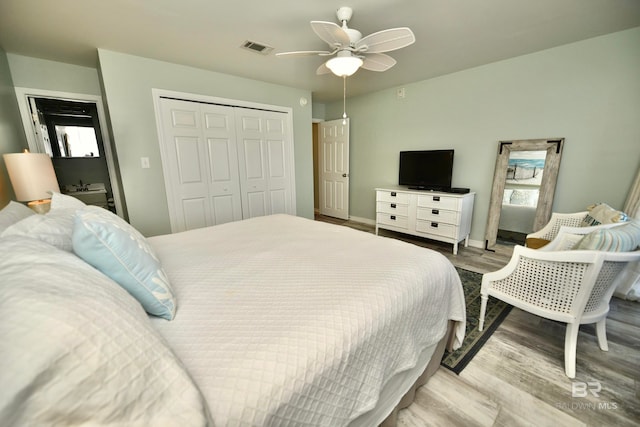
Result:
{"points": [[344, 66]]}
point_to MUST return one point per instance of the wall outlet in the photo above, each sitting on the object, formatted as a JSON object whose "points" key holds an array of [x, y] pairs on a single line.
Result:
{"points": [[144, 162], [400, 93]]}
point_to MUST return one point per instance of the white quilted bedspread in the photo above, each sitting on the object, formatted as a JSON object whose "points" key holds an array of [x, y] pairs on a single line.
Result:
{"points": [[284, 321], [77, 350]]}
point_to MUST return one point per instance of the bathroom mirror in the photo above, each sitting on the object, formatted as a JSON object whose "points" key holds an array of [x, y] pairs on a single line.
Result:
{"points": [[528, 170]]}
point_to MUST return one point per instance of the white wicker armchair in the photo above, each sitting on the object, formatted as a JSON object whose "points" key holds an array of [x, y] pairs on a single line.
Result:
{"points": [[573, 287]]}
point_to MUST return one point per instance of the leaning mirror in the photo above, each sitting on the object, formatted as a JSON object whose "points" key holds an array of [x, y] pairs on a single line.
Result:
{"points": [[524, 184]]}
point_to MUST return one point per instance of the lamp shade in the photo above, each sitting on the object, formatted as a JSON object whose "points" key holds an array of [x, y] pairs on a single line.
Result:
{"points": [[32, 175], [343, 66]]}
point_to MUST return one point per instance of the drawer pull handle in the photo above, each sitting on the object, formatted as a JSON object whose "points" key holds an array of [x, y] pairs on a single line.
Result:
{"points": [[434, 224], [435, 211], [436, 198], [393, 194], [393, 217], [393, 205]]}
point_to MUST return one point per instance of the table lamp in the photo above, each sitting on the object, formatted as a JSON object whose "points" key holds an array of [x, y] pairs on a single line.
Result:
{"points": [[33, 178]]}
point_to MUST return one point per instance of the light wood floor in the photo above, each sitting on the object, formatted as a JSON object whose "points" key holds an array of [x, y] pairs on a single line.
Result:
{"points": [[517, 378]]}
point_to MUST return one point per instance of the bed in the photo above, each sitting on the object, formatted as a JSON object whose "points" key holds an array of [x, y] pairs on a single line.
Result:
{"points": [[518, 210], [276, 320]]}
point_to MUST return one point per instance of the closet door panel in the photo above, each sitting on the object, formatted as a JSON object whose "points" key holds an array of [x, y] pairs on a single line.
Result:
{"points": [[264, 146], [278, 201], [194, 212], [184, 160], [256, 204], [278, 144], [224, 187], [251, 162], [224, 209]]}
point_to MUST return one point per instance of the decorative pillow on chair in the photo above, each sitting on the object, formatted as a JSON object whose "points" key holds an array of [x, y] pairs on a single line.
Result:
{"points": [[622, 238], [114, 247], [601, 213], [12, 213]]}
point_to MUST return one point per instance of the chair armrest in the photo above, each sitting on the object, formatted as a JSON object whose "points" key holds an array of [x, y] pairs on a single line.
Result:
{"points": [[557, 220]]}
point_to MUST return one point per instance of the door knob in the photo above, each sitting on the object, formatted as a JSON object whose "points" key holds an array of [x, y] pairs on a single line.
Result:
{"points": [[344, 175]]}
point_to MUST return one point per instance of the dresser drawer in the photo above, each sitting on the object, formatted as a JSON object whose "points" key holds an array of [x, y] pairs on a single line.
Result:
{"points": [[392, 208], [392, 197], [438, 215], [390, 219], [437, 228], [438, 202]]}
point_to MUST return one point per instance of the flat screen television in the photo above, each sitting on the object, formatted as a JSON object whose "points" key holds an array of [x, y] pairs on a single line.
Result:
{"points": [[426, 169]]}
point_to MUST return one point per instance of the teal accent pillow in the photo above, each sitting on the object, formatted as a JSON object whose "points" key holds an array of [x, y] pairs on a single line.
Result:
{"points": [[114, 247], [622, 238]]}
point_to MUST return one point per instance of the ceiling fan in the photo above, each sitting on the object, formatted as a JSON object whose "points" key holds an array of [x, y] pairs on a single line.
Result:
{"points": [[353, 51]]}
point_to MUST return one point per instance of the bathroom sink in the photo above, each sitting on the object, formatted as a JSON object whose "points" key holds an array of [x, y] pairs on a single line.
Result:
{"points": [[86, 189]]}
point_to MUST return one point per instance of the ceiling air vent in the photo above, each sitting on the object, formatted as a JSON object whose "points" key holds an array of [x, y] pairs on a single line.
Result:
{"points": [[257, 47]]}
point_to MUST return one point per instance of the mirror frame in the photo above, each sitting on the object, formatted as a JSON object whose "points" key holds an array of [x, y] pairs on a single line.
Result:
{"points": [[553, 147]]}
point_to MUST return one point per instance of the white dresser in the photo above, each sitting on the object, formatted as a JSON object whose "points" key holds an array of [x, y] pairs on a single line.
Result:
{"points": [[434, 215]]}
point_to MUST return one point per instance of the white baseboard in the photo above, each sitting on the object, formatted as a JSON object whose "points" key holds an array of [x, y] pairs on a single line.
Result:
{"points": [[476, 243], [362, 220]]}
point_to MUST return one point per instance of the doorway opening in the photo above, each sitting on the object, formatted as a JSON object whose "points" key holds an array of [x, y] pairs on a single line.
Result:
{"points": [[69, 128]]}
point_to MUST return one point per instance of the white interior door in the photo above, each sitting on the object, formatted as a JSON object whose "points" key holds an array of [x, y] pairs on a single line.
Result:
{"points": [[333, 161]]}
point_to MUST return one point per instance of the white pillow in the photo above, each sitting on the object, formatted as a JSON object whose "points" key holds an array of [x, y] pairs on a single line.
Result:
{"points": [[13, 213], [77, 349], [114, 247], [55, 227], [62, 201]]}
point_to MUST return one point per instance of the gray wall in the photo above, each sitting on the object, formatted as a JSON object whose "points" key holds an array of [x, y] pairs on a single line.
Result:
{"points": [[587, 92], [12, 138], [125, 84], [128, 81], [43, 74]]}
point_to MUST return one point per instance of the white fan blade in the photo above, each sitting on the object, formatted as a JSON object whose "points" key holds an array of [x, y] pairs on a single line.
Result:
{"points": [[386, 40], [378, 62], [305, 53], [323, 69], [331, 33]]}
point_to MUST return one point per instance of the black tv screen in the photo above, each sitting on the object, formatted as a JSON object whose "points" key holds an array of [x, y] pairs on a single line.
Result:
{"points": [[426, 169]]}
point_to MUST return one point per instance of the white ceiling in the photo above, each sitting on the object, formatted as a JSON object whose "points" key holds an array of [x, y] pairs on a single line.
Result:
{"points": [[451, 35]]}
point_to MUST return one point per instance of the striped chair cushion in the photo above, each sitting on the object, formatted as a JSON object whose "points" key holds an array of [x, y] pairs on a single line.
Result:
{"points": [[618, 239]]}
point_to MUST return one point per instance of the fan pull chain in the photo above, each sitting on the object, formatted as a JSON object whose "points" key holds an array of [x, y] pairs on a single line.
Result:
{"points": [[344, 100]]}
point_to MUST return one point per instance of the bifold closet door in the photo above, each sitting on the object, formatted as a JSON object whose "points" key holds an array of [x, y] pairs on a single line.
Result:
{"points": [[264, 147], [200, 157], [224, 163]]}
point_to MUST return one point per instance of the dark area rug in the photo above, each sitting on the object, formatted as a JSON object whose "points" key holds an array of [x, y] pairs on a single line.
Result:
{"points": [[473, 338]]}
